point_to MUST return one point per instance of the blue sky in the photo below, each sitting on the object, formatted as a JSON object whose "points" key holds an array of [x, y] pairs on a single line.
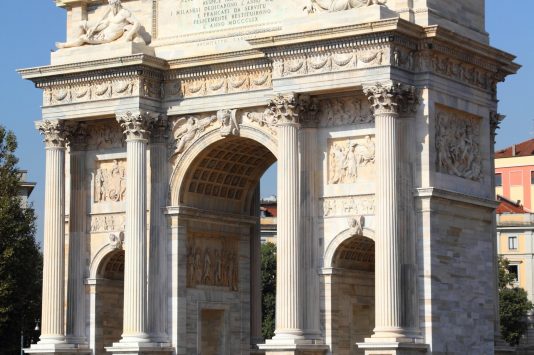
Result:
{"points": [[31, 27]]}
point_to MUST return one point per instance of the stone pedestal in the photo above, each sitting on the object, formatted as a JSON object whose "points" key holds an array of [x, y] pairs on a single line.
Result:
{"points": [[386, 347], [140, 349]]}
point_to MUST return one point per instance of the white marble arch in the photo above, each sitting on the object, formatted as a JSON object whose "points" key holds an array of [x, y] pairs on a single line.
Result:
{"points": [[331, 248], [184, 162]]}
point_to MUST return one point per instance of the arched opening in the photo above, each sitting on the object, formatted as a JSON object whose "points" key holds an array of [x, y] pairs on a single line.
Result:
{"points": [[109, 300], [352, 287], [220, 219]]}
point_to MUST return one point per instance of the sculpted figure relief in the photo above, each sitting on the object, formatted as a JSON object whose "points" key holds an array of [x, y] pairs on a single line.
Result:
{"points": [[348, 157], [117, 23], [211, 263], [110, 183], [458, 144], [186, 129], [339, 5]]}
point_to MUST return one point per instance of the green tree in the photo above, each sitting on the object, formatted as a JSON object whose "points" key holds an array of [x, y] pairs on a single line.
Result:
{"points": [[513, 305], [20, 258], [268, 283]]}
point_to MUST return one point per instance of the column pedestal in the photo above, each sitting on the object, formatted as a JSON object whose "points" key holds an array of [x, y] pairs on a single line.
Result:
{"points": [[373, 346]]}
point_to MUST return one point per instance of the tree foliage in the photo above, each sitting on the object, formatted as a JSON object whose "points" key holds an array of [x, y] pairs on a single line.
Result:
{"points": [[268, 282], [513, 305], [20, 258]]}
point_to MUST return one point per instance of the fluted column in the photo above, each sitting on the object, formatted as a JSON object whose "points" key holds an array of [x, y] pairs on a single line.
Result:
{"points": [[52, 319], [386, 101], [289, 317], [157, 273], [77, 216], [135, 323]]}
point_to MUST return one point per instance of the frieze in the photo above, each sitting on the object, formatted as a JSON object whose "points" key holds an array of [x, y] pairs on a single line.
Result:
{"points": [[457, 143], [351, 160], [347, 110], [104, 136], [107, 223], [348, 206], [218, 83], [213, 261]]}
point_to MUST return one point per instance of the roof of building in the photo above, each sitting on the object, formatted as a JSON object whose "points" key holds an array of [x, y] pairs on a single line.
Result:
{"points": [[507, 206], [522, 149]]}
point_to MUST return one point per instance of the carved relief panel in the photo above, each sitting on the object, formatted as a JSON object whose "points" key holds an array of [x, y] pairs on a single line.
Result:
{"points": [[351, 160], [458, 143], [346, 110], [104, 136], [110, 181], [107, 223], [213, 260], [348, 206]]}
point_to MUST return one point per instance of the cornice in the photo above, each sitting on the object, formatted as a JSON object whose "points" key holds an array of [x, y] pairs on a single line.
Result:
{"points": [[432, 192], [91, 66], [223, 58], [396, 24]]}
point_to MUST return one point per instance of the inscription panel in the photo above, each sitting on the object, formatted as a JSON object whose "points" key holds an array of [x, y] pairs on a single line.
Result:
{"points": [[179, 17]]}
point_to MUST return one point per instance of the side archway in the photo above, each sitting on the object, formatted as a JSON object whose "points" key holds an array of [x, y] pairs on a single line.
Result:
{"points": [[349, 280]]}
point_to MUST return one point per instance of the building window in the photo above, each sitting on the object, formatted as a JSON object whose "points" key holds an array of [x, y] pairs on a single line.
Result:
{"points": [[512, 243], [498, 179], [514, 271], [532, 177]]}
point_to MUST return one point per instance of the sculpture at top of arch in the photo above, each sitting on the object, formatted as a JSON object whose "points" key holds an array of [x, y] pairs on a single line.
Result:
{"points": [[339, 5], [116, 23], [229, 124]]}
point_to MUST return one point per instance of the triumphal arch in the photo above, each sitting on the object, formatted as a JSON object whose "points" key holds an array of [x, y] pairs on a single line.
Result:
{"points": [[160, 116]]}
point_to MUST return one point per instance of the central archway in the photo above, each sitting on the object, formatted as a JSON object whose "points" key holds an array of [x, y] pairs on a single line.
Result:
{"points": [[219, 217]]}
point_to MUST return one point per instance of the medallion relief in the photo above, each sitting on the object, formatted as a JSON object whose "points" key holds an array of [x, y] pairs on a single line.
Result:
{"points": [[458, 143], [213, 261], [351, 160], [348, 206], [110, 181]]}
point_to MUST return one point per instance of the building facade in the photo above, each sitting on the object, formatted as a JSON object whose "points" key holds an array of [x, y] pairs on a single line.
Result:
{"points": [[514, 180], [159, 118]]}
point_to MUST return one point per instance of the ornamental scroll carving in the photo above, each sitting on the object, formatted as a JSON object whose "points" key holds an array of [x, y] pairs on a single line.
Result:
{"points": [[458, 143], [110, 181], [351, 160], [348, 206], [213, 261]]}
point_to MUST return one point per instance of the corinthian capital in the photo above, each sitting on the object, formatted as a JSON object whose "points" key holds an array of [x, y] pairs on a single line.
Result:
{"points": [[136, 125], [77, 135], [392, 98], [283, 109], [495, 122], [160, 129], [53, 132]]}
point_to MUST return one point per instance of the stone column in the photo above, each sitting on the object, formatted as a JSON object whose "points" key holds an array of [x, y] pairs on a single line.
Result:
{"points": [[52, 320], [390, 228], [291, 276], [158, 284], [135, 326], [77, 228], [289, 297]]}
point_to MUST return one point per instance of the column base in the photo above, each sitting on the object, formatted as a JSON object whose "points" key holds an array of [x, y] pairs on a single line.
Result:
{"points": [[63, 349], [374, 346], [293, 347], [140, 349]]}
